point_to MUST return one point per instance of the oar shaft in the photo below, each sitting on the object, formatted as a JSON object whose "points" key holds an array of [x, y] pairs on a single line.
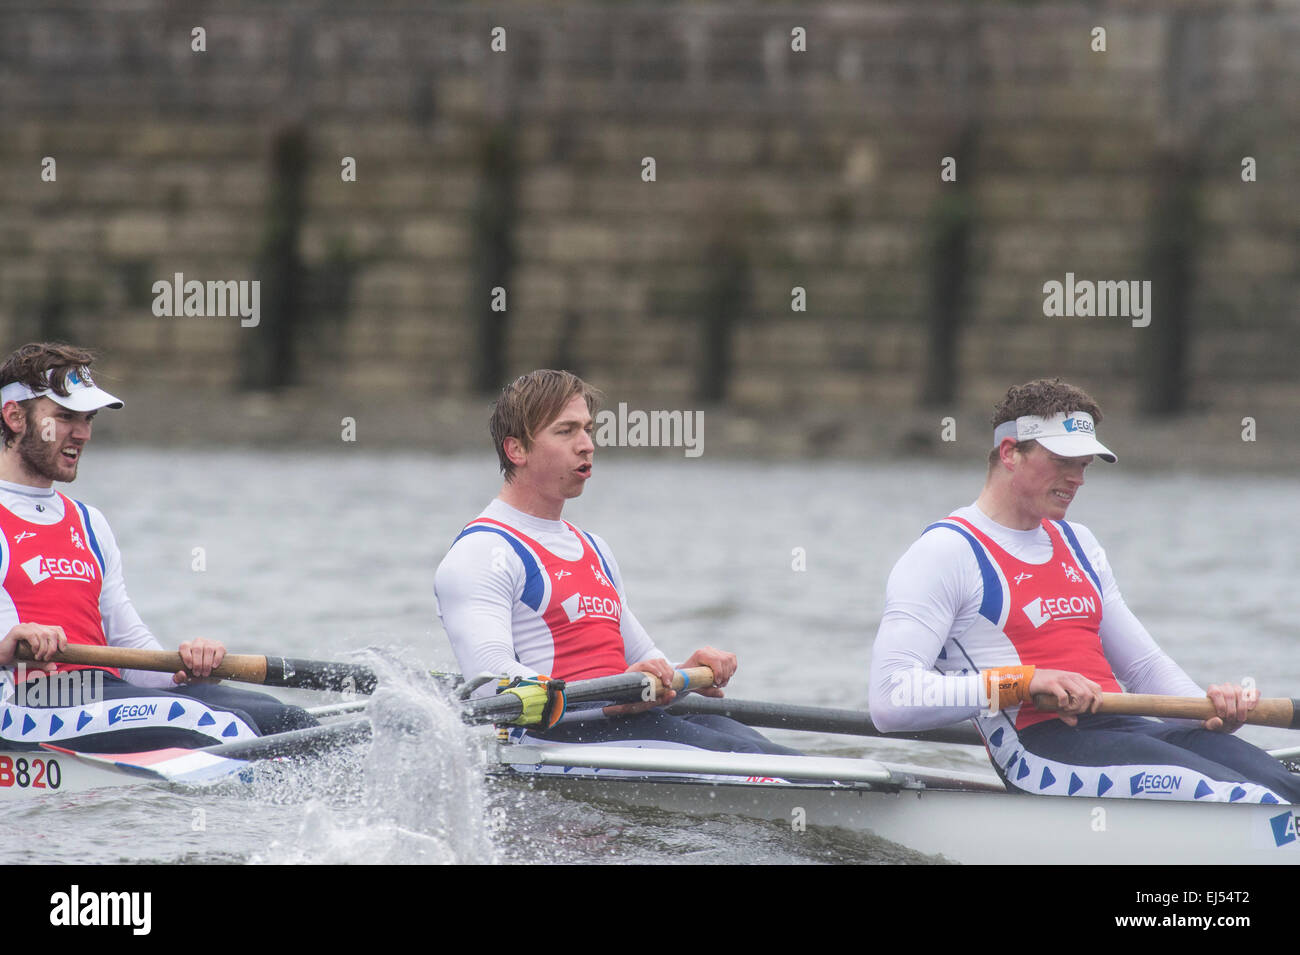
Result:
{"points": [[246, 668], [1268, 712], [812, 719], [319, 675], [303, 742]]}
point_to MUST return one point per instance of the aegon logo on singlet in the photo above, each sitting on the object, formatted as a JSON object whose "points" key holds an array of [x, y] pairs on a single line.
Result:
{"points": [[581, 605], [131, 712], [60, 568], [1042, 609]]}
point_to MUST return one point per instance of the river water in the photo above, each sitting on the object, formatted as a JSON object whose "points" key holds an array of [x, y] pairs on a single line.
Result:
{"points": [[325, 554]]}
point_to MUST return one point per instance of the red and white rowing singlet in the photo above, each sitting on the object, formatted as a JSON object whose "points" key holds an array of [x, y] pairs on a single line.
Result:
{"points": [[576, 599], [54, 573], [1050, 613]]}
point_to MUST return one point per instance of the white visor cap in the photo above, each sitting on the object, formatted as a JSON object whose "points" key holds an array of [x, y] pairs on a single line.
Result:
{"points": [[83, 393], [1070, 434]]}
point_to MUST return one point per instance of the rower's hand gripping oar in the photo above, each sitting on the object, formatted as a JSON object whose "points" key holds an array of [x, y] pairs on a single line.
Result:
{"points": [[246, 668], [1270, 712], [541, 702]]}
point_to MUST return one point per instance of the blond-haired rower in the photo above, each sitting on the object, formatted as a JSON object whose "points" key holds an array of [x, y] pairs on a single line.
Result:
{"points": [[523, 592]]}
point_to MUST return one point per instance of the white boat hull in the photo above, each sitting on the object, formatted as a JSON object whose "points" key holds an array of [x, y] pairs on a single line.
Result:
{"points": [[962, 825]]}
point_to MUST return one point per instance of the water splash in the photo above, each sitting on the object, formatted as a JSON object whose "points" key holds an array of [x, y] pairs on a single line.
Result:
{"points": [[424, 772], [422, 795]]}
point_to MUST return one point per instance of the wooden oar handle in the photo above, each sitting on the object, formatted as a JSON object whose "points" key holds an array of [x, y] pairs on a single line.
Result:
{"points": [[246, 668], [1271, 712], [692, 678]]}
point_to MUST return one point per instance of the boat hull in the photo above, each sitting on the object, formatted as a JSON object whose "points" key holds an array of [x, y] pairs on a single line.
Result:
{"points": [[979, 827], [967, 826]]}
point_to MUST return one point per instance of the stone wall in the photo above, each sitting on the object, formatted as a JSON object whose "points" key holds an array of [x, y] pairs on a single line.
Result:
{"points": [[780, 168]]}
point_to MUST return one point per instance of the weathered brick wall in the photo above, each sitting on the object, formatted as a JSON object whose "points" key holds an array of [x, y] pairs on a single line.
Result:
{"points": [[818, 168]]}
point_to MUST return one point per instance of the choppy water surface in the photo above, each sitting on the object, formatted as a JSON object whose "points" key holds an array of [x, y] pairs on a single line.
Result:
{"points": [[321, 555]]}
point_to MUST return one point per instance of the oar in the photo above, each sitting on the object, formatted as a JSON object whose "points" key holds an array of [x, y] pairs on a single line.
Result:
{"points": [[1271, 712], [623, 688], [246, 668], [813, 719], [338, 709], [782, 716], [303, 742], [226, 759]]}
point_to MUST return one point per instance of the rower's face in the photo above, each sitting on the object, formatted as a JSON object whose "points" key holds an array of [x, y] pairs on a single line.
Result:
{"points": [[52, 443], [559, 463], [1045, 483]]}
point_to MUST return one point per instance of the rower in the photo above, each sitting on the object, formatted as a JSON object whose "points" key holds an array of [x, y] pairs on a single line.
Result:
{"points": [[62, 583], [523, 592], [1004, 599]]}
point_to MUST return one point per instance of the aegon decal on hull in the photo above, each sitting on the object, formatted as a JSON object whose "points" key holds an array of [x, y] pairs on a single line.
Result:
{"points": [[131, 712], [1283, 828], [1155, 783]]}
